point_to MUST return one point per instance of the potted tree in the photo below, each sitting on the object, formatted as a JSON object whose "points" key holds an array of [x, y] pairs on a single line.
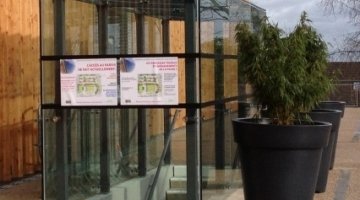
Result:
{"points": [[281, 153]]}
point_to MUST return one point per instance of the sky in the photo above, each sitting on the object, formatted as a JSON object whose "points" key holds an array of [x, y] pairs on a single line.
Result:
{"points": [[286, 13]]}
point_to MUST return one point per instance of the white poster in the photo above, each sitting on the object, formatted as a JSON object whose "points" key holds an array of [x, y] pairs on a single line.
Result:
{"points": [[149, 81], [87, 82]]}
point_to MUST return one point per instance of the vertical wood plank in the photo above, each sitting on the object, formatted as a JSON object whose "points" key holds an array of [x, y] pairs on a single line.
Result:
{"points": [[155, 124], [155, 116], [230, 82], [27, 67], [79, 18], [35, 50], [3, 119], [207, 86], [15, 85], [230, 47], [85, 24], [6, 153], [177, 41], [207, 36], [48, 49]]}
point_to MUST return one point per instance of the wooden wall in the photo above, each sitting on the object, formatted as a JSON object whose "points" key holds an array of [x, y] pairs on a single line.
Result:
{"points": [[19, 88], [177, 41]]}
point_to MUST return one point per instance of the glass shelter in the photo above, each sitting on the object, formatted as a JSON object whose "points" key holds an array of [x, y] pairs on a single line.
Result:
{"points": [[141, 151]]}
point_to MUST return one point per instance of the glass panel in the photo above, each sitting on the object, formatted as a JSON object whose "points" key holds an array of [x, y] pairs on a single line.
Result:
{"points": [[230, 46], [221, 176], [219, 81], [121, 31], [48, 82], [230, 78], [49, 156], [182, 87], [82, 131], [177, 36], [153, 35], [178, 142], [155, 140], [207, 80], [78, 164], [81, 25], [207, 37], [47, 27], [214, 10], [80, 28]]}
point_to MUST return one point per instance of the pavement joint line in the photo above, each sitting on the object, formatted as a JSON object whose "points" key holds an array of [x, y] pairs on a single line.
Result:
{"points": [[356, 137], [342, 185]]}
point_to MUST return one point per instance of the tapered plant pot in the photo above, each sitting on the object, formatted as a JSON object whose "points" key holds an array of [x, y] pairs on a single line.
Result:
{"points": [[334, 105], [244, 109], [280, 162], [333, 117]]}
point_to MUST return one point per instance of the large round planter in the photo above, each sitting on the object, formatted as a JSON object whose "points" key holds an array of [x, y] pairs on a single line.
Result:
{"points": [[243, 109], [333, 117], [334, 105], [279, 162]]}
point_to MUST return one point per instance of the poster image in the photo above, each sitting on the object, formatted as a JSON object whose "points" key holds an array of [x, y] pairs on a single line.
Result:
{"points": [[87, 82], [149, 81]]}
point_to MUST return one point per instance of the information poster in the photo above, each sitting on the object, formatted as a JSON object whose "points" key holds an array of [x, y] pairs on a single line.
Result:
{"points": [[88, 82], [149, 81]]}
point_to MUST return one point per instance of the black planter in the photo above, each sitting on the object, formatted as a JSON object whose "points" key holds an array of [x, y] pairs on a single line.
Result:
{"points": [[334, 105], [333, 117], [243, 109], [280, 162]]}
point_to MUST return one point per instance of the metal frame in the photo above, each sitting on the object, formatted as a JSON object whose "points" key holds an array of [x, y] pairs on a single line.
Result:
{"points": [[193, 121]]}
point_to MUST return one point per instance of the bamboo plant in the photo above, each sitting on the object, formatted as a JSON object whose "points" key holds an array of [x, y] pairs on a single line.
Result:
{"points": [[288, 72]]}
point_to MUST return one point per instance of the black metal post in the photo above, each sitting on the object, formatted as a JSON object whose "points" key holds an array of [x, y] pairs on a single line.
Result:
{"points": [[61, 116], [219, 96], [104, 154], [142, 146], [192, 115], [62, 170], [167, 114], [104, 141]]}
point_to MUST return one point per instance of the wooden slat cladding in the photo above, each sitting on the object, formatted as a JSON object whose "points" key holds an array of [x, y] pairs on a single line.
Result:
{"points": [[19, 88]]}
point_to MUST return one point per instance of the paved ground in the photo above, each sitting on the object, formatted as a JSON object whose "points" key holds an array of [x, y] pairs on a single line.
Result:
{"points": [[26, 189], [343, 182], [344, 178]]}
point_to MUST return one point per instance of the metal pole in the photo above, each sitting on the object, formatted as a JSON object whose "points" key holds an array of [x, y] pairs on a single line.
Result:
{"points": [[192, 114], [167, 114], [219, 94], [142, 145], [61, 116], [104, 141]]}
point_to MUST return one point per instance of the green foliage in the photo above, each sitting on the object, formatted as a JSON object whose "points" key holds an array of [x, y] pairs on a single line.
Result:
{"points": [[287, 72]]}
